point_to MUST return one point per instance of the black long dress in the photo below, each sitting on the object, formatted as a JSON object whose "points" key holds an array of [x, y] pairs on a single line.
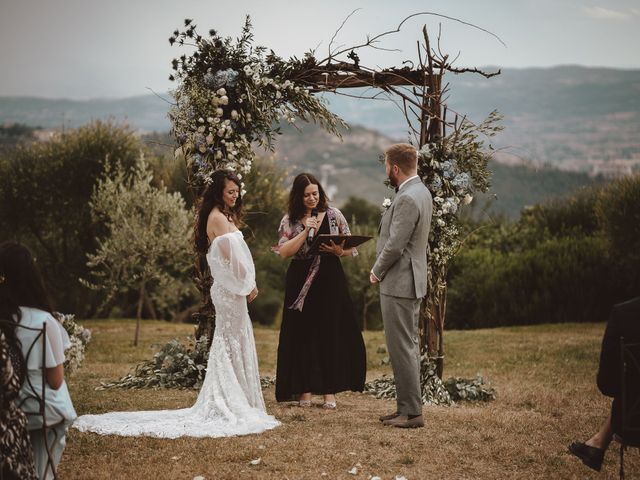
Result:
{"points": [[321, 348]]}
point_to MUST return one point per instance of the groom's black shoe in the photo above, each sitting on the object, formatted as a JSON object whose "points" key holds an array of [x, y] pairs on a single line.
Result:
{"points": [[389, 417], [592, 457]]}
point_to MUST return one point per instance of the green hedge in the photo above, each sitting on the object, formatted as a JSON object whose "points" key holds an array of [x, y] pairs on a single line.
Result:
{"points": [[561, 280], [567, 260]]}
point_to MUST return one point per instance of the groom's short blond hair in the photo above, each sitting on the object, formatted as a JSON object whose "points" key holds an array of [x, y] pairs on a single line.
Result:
{"points": [[404, 155]]}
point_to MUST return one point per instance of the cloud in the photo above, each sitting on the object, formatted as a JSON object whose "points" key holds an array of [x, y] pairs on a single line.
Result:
{"points": [[601, 13]]}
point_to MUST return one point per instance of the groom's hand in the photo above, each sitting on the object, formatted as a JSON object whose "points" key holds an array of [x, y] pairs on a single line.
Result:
{"points": [[373, 279]]}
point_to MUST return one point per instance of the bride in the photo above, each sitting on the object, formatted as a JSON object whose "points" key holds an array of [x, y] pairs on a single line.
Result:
{"points": [[230, 401]]}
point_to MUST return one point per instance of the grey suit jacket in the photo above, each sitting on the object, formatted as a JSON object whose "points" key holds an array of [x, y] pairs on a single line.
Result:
{"points": [[401, 249]]}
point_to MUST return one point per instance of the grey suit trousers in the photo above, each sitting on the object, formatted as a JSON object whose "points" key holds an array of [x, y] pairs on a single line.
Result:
{"points": [[400, 317]]}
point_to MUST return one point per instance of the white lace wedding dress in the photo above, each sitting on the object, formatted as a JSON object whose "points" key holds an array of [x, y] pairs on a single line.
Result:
{"points": [[230, 401]]}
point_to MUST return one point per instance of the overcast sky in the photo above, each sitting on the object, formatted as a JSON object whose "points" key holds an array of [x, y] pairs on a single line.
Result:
{"points": [[115, 48]]}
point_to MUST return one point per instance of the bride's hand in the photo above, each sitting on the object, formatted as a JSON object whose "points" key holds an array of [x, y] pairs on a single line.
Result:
{"points": [[252, 296]]}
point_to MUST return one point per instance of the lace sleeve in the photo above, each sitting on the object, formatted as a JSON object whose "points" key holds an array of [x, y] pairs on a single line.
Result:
{"points": [[232, 266]]}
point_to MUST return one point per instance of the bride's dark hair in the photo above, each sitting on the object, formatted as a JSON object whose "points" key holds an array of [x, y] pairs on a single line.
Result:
{"points": [[213, 197]]}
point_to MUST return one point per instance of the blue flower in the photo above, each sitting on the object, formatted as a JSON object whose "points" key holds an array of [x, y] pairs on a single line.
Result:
{"points": [[461, 181], [198, 161], [221, 78]]}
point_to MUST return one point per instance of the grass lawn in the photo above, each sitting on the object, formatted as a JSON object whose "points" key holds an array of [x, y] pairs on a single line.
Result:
{"points": [[547, 397]]}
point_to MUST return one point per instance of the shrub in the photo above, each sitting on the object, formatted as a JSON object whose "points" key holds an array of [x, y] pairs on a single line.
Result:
{"points": [[45, 189], [618, 211], [560, 280]]}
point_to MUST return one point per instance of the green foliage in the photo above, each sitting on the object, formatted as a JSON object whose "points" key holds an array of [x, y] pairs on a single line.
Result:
{"points": [[44, 194], [435, 391], [618, 210], [454, 168], [361, 211], [365, 298], [568, 215], [145, 248], [469, 389], [569, 259], [265, 205], [560, 280], [175, 366], [14, 134]]}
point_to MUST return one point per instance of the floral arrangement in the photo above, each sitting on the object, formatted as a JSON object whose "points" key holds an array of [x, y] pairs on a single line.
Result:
{"points": [[454, 168], [231, 95], [79, 336]]}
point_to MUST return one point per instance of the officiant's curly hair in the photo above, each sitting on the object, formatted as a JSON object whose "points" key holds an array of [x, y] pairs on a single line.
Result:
{"points": [[213, 197], [296, 196]]}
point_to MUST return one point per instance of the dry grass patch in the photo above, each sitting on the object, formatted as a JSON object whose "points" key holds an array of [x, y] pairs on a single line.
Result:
{"points": [[544, 376]]}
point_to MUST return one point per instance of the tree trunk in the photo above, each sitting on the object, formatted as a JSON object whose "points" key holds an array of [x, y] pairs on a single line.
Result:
{"points": [[149, 304], [432, 315], [139, 313]]}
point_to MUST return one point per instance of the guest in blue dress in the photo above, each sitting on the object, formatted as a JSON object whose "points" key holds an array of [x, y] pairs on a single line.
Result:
{"points": [[24, 300]]}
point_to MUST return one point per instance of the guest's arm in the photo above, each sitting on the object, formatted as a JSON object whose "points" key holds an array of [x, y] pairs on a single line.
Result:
{"points": [[55, 376]]}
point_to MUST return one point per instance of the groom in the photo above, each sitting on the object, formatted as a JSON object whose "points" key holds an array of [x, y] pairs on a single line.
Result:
{"points": [[401, 271]]}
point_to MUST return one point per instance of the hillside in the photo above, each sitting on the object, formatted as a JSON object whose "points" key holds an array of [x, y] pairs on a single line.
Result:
{"points": [[579, 121], [351, 168], [574, 118]]}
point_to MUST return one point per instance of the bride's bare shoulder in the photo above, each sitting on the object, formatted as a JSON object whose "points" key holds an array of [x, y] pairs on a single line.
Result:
{"points": [[218, 224]]}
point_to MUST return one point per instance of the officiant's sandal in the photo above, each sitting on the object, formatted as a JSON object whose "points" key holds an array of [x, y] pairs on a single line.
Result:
{"points": [[304, 402], [329, 404]]}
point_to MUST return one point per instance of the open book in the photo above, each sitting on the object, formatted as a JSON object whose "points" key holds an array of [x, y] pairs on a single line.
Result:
{"points": [[350, 241]]}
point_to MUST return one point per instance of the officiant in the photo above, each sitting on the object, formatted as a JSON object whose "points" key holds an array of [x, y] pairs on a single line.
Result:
{"points": [[321, 350]]}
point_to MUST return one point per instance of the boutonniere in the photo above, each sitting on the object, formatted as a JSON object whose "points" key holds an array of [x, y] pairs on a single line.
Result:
{"points": [[386, 203]]}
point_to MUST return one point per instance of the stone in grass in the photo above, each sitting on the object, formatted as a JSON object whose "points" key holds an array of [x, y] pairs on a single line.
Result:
{"points": [[257, 461], [354, 470]]}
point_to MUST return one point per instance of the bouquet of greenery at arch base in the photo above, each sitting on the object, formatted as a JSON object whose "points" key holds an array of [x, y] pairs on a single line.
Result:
{"points": [[79, 336]]}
